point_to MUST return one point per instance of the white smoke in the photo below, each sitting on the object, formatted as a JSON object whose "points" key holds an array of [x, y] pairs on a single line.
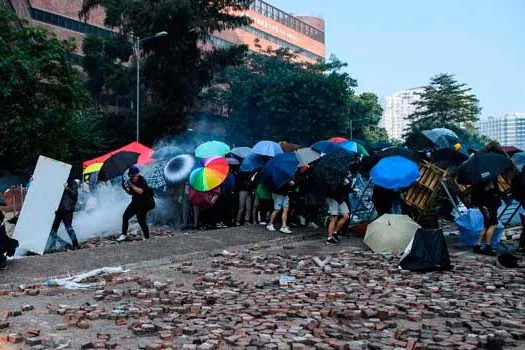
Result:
{"points": [[102, 213]]}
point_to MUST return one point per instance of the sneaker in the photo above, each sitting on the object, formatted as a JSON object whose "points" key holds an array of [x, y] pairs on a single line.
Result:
{"points": [[302, 220], [285, 229], [477, 249], [221, 225], [123, 238], [270, 227], [313, 225], [331, 241], [263, 223], [336, 238]]}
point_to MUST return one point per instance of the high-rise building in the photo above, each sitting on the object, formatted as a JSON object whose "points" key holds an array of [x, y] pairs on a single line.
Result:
{"points": [[509, 130], [396, 109], [271, 26]]}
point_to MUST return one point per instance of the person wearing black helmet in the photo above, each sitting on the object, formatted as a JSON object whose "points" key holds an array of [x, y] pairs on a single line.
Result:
{"points": [[141, 202]]}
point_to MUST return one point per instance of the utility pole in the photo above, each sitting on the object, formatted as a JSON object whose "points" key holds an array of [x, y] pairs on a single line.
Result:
{"points": [[137, 57]]}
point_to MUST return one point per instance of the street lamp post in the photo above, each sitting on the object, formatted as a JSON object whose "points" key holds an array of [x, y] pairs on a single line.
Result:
{"points": [[137, 57]]}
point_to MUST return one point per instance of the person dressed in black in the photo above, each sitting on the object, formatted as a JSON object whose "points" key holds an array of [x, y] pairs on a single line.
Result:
{"points": [[7, 245], [64, 214], [142, 201], [486, 197], [518, 193], [384, 199]]}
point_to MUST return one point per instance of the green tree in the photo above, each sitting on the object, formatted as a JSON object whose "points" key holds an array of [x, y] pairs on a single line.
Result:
{"points": [[275, 97], [175, 67], [444, 103], [42, 97]]}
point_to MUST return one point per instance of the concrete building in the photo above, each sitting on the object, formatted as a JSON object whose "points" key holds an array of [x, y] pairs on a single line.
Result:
{"points": [[509, 129], [396, 109], [271, 26]]}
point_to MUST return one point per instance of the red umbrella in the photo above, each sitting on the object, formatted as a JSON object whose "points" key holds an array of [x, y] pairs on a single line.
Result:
{"points": [[204, 200], [337, 139]]}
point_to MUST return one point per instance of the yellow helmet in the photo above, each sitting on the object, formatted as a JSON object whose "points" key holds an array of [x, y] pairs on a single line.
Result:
{"points": [[457, 147]]}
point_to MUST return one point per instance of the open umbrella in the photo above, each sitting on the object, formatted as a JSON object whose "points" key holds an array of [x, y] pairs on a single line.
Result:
{"points": [[212, 149], [306, 156], [441, 137], [511, 150], [204, 200], [337, 140], [390, 233], [482, 167], [117, 164], [233, 161], [241, 152], [154, 174], [446, 158], [355, 147], [267, 148], [331, 171], [210, 174], [326, 147], [93, 168], [519, 160], [279, 170], [253, 162], [400, 151], [178, 169], [394, 172]]}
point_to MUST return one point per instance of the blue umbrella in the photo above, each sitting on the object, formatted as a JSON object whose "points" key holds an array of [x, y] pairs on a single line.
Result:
{"points": [[394, 172], [326, 147], [241, 152], [267, 148], [279, 171], [253, 162]]}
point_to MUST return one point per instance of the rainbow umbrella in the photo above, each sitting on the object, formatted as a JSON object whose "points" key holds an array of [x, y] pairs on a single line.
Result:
{"points": [[93, 168], [210, 174], [355, 147]]}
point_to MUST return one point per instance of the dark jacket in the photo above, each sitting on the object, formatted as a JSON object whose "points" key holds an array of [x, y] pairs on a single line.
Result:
{"points": [[142, 198], [486, 194], [69, 198]]}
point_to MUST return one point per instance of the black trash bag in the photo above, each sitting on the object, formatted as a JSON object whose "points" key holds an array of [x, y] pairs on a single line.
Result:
{"points": [[508, 260], [426, 252]]}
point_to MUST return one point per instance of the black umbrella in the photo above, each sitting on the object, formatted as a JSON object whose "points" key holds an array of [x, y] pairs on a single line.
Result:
{"points": [[483, 167], [400, 151], [448, 158], [331, 170], [117, 164]]}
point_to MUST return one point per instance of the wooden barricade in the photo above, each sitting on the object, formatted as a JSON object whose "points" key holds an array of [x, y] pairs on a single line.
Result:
{"points": [[422, 193], [464, 191]]}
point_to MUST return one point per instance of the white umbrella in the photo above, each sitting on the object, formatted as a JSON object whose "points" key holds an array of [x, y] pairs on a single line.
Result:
{"points": [[390, 233], [306, 156]]}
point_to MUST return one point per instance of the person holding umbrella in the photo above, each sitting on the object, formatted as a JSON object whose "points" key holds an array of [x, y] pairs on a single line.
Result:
{"points": [[142, 201], [486, 197]]}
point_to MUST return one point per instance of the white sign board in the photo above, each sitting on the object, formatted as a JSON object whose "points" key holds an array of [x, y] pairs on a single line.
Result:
{"points": [[42, 200]]}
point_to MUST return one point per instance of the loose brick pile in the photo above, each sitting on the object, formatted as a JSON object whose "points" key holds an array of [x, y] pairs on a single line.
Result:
{"points": [[349, 300]]}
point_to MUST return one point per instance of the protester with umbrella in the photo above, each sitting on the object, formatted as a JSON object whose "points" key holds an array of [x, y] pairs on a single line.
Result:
{"points": [[278, 176], [142, 201], [481, 171]]}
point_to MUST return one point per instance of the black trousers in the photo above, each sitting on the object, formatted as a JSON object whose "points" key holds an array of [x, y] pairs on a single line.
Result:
{"points": [[139, 210], [66, 217]]}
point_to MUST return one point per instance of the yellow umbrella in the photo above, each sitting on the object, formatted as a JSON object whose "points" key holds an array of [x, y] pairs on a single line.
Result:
{"points": [[390, 233], [93, 168]]}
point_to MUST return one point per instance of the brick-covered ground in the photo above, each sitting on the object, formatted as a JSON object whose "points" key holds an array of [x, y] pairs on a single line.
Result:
{"points": [[343, 297]]}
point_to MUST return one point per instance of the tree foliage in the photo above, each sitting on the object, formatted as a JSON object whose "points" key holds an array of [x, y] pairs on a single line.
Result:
{"points": [[175, 67], [275, 97], [444, 103], [43, 100]]}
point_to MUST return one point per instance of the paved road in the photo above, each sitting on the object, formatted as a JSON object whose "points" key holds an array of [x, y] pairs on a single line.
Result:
{"points": [[33, 268]]}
